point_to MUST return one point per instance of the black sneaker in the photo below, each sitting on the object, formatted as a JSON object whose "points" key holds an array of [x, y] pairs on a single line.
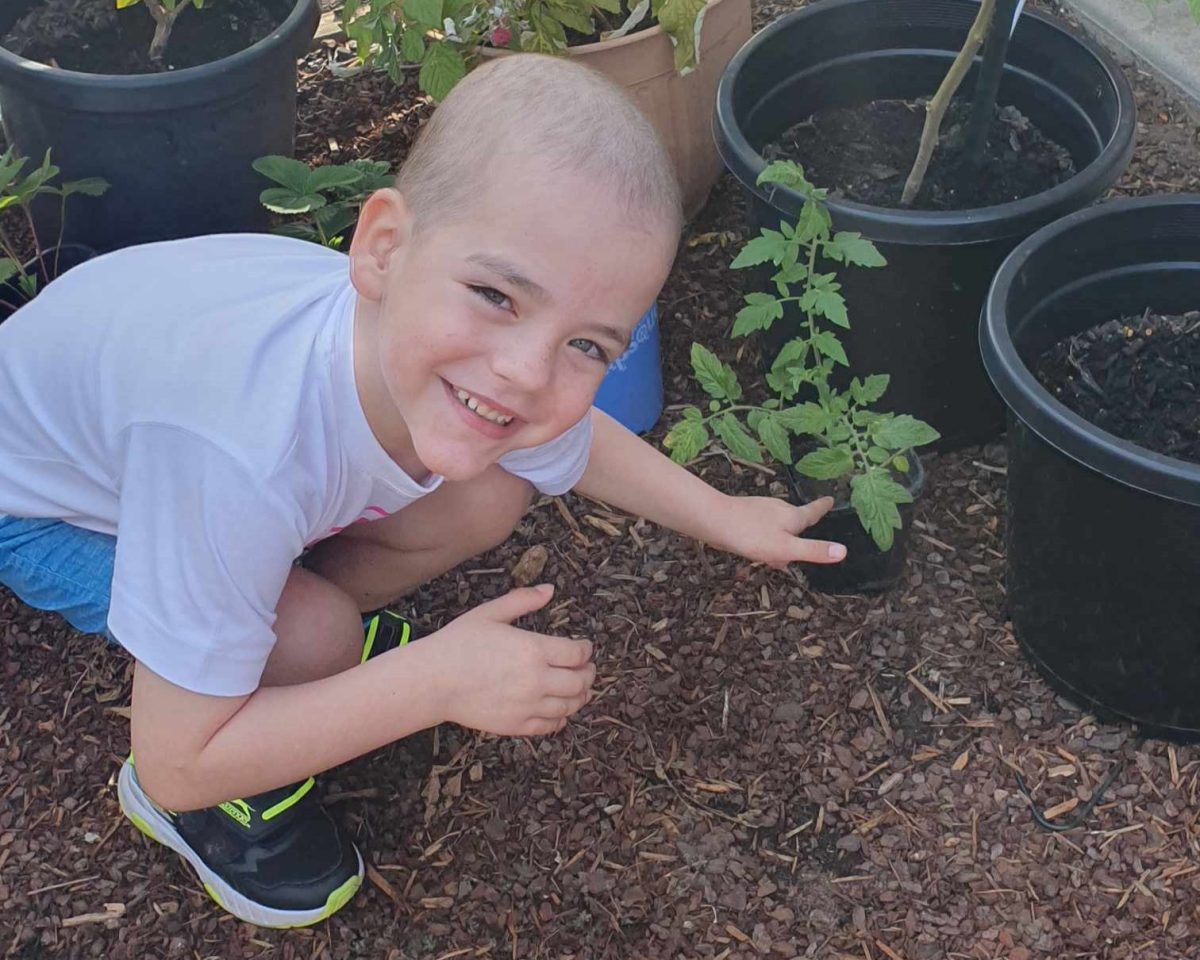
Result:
{"points": [[386, 630], [275, 859]]}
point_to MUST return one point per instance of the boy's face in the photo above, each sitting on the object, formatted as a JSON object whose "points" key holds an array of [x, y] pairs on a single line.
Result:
{"points": [[493, 332]]}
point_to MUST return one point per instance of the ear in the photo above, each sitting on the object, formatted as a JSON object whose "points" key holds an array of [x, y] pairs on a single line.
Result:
{"points": [[384, 227]]}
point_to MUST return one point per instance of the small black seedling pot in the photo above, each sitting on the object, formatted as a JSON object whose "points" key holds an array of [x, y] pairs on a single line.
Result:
{"points": [[866, 569]]}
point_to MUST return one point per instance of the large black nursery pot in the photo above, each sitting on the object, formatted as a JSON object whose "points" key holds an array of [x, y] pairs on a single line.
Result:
{"points": [[1103, 535], [916, 319], [866, 569], [176, 147]]}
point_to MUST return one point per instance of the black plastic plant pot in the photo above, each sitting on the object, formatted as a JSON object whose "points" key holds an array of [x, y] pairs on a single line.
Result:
{"points": [[53, 263], [176, 147], [866, 569], [916, 319], [1103, 535]]}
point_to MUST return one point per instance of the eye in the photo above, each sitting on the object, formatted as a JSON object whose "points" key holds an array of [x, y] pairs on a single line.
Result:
{"points": [[590, 348], [492, 296]]}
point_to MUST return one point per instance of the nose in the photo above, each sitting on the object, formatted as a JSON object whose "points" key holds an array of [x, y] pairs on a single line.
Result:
{"points": [[525, 361]]}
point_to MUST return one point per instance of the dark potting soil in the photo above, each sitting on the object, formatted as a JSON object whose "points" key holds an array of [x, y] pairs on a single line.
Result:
{"points": [[864, 153], [1134, 377], [94, 37]]}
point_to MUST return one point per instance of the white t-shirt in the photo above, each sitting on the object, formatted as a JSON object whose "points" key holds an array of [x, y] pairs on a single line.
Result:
{"points": [[196, 398]]}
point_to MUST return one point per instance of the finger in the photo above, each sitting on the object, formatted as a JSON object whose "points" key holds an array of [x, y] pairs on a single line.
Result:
{"points": [[514, 604], [809, 513], [817, 551], [559, 708], [542, 726], [562, 652], [570, 683]]}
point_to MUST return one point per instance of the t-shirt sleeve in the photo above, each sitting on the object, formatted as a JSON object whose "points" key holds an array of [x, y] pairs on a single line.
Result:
{"points": [[554, 467], [203, 552]]}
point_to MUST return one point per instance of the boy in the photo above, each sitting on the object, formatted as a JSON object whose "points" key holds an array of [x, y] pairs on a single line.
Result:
{"points": [[180, 422]]}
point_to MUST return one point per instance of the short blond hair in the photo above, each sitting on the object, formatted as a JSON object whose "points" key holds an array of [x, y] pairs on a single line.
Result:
{"points": [[566, 115]]}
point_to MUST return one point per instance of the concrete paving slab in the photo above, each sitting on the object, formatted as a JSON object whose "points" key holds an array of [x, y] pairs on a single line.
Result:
{"points": [[1161, 34]]}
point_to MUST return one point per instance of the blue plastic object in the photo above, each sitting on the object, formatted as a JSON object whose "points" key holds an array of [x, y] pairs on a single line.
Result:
{"points": [[632, 390]]}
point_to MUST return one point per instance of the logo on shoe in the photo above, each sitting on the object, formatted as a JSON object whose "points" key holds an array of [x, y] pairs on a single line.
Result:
{"points": [[239, 810]]}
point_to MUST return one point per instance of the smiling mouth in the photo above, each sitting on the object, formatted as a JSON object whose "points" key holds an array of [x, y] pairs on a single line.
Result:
{"points": [[481, 409]]}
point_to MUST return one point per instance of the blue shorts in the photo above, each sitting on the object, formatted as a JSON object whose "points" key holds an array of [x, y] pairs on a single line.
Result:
{"points": [[52, 565]]}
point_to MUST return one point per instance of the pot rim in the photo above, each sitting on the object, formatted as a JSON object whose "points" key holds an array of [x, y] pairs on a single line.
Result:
{"points": [[932, 227], [1043, 413], [28, 75]]}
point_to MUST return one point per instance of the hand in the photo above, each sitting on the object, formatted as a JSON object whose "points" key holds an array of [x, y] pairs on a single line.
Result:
{"points": [[768, 530], [510, 681]]}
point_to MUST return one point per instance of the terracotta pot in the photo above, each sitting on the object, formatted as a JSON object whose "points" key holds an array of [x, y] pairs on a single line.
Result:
{"points": [[681, 108]]}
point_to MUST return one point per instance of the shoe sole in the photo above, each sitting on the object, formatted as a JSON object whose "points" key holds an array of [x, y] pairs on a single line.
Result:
{"points": [[153, 824]]}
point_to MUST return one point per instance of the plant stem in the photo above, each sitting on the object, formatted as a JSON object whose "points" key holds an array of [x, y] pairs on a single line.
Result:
{"points": [[164, 20], [987, 87], [937, 107]]}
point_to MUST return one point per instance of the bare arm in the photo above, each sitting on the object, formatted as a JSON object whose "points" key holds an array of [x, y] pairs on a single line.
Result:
{"points": [[194, 750], [626, 472]]}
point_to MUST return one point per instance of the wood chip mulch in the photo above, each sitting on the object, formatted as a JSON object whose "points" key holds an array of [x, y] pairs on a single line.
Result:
{"points": [[766, 772]]}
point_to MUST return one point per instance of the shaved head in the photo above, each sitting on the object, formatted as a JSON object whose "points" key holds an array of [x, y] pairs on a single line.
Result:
{"points": [[554, 113]]}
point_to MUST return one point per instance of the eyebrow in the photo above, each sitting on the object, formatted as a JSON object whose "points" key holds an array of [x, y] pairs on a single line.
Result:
{"points": [[508, 272]]}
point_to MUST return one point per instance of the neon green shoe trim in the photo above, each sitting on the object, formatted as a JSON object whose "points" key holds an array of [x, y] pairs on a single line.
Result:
{"points": [[142, 825], [291, 801], [216, 899], [370, 641], [239, 810], [373, 629], [340, 897]]}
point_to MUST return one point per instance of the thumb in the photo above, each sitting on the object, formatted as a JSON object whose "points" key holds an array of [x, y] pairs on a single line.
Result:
{"points": [[515, 603]]}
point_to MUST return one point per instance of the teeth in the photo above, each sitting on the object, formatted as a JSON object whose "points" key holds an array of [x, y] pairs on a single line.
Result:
{"points": [[482, 408]]}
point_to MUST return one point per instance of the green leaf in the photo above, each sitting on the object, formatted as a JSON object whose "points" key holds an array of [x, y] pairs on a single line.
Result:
{"points": [[828, 343], [714, 406], [686, 439], [805, 418], [828, 463], [775, 438], [122, 4], [878, 455], [870, 389], [692, 413], [572, 15], [548, 34], [681, 20], [412, 45], [335, 219], [442, 68], [900, 462], [903, 432], [790, 352], [715, 378], [771, 404], [9, 268], [760, 312], [88, 186], [791, 274], [284, 170], [787, 173], [329, 177], [769, 246], [813, 223], [851, 247], [735, 437], [608, 6], [874, 496], [428, 13], [831, 305], [283, 200]]}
